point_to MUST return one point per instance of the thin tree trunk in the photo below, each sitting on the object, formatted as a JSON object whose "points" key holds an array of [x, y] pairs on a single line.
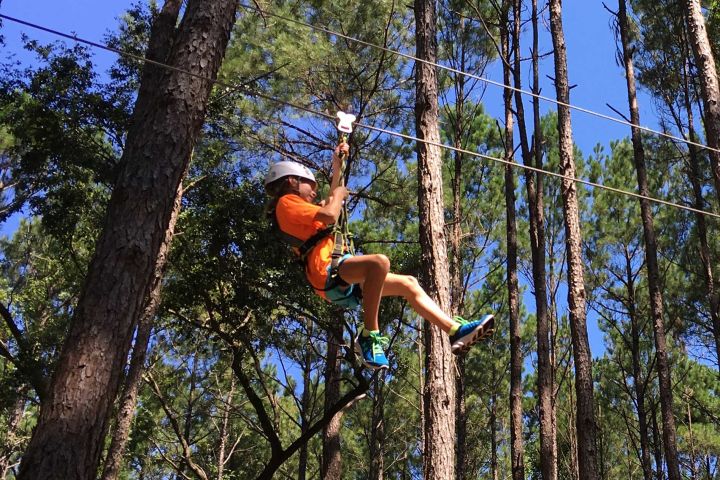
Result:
{"points": [[658, 446], [224, 431], [700, 222], [439, 454], [67, 442], [457, 291], [638, 381], [587, 452], [709, 87], [656, 298], [493, 438], [377, 433], [516, 357], [126, 412], [7, 451], [305, 402], [332, 456], [534, 189]]}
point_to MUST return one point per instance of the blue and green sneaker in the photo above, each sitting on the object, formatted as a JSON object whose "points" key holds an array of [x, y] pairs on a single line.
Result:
{"points": [[370, 348], [470, 333]]}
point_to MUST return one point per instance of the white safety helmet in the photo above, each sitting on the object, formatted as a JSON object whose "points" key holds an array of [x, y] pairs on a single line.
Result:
{"points": [[288, 169]]}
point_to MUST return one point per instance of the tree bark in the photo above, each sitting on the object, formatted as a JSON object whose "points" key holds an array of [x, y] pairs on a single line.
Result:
{"points": [[516, 356], [331, 455], [709, 87], [439, 451], [700, 221], [305, 402], [126, 412], [587, 451], [8, 449], [377, 433], [67, 441], [656, 297], [534, 189]]}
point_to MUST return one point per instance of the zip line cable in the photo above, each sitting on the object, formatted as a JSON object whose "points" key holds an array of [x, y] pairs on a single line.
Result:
{"points": [[251, 92], [482, 79]]}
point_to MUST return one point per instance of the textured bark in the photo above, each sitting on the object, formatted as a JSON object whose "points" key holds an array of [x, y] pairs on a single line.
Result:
{"points": [[67, 441], [534, 189], [128, 399], [709, 87], [377, 432], [585, 425], [457, 290], [8, 450], [439, 405], [700, 221], [126, 412], [305, 402], [656, 297], [331, 455], [223, 454], [639, 384], [516, 356]]}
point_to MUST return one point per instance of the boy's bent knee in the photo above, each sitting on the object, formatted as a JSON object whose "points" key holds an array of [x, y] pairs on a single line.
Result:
{"points": [[382, 262]]}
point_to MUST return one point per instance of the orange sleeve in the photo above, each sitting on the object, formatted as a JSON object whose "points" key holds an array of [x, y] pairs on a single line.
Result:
{"points": [[296, 217]]}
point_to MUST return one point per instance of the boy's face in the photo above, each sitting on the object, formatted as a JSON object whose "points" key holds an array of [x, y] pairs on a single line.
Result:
{"points": [[307, 189]]}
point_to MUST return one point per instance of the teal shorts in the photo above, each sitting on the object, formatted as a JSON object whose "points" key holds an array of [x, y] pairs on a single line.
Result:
{"points": [[340, 293]]}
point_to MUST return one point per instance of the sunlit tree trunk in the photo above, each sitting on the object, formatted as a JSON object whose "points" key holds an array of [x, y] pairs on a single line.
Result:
{"points": [[585, 425], [534, 190], [709, 87], [516, 357], [439, 451], [656, 298], [700, 221], [68, 440]]}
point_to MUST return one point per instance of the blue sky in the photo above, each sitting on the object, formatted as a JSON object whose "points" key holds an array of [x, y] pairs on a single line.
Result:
{"points": [[591, 66]]}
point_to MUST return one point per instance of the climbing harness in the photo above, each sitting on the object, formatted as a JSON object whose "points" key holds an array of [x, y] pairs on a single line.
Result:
{"points": [[336, 289]]}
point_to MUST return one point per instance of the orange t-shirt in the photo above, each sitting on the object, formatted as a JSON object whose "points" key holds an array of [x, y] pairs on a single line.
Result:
{"points": [[296, 217]]}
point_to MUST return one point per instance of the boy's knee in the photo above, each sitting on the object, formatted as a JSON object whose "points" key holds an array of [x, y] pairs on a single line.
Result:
{"points": [[382, 262], [412, 283]]}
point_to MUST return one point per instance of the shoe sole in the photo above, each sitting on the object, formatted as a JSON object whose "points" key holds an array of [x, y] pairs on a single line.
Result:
{"points": [[481, 332], [358, 352]]}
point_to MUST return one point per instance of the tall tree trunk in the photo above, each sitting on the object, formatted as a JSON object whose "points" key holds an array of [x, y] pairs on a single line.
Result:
{"points": [[8, 450], [224, 431], [656, 298], [587, 452], [700, 222], [68, 439], [128, 399], [709, 87], [439, 454], [305, 402], [457, 291], [377, 432], [331, 454], [516, 356], [534, 188], [126, 412], [638, 381], [493, 437], [657, 445]]}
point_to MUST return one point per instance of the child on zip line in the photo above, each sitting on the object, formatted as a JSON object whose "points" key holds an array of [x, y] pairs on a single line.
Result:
{"points": [[367, 278]]}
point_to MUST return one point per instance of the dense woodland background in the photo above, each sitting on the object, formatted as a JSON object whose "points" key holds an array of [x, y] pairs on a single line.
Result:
{"points": [[240, 372]]}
